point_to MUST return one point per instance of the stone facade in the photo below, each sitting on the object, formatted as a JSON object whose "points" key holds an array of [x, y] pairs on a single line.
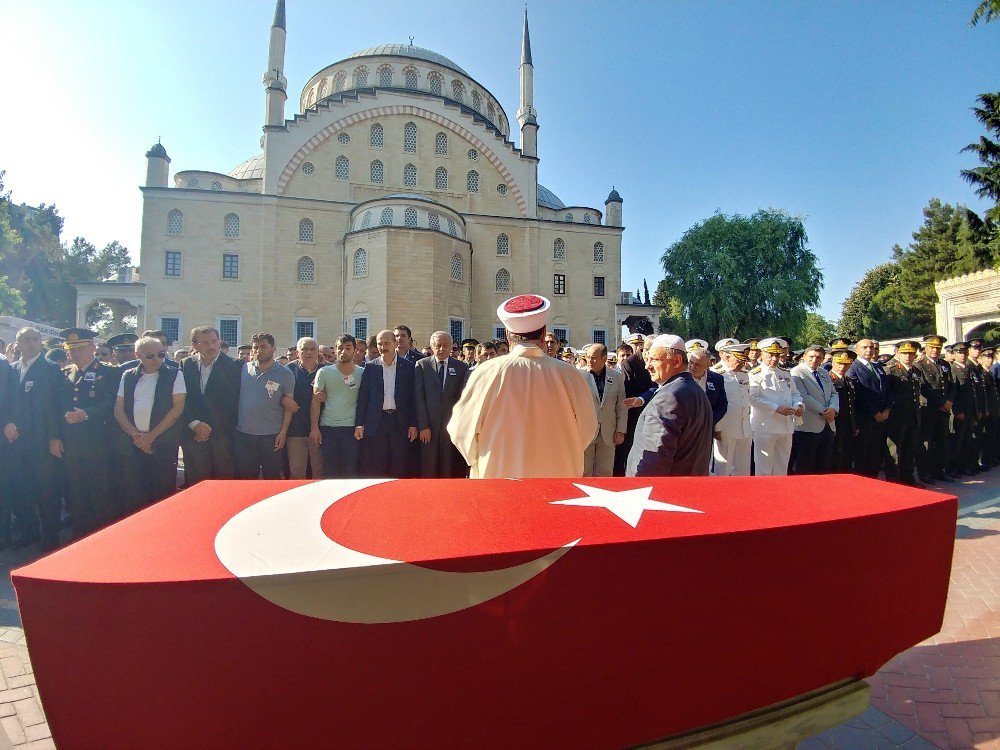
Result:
{"points": [[967, 302], [397, 154]]}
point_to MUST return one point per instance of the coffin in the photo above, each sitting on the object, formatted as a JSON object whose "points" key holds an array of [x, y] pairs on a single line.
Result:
{"points": [[548, 613]]}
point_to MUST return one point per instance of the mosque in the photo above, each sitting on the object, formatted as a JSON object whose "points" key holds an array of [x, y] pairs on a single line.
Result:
{"points": [[394, 194]]}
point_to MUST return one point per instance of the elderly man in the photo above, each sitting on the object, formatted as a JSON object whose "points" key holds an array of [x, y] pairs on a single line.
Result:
{"points": [[904, 382], [775, 404], [699, 360], [813, 440], [734, 438], [540, 422], [440, 380], [608, 389], [674, 434], [302, 453], [637, 382]]}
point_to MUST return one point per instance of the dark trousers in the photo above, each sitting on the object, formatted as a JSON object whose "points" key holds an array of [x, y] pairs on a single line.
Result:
{"points": [[903, 434], [386, 453], [813, 451], [340, 452], [212, 459], [622, 451], [35, 498], [870, 447], [842, 460], [88, 495], [932, 445], [147, 478], [961, 443], [440, 459], [256, 456]]}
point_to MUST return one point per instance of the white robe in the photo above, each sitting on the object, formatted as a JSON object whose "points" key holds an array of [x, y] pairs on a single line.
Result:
{"points": [[524, 415]]}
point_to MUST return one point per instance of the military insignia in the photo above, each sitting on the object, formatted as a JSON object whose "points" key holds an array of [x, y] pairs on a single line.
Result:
{"points": [[710, 386], [89, 377]]}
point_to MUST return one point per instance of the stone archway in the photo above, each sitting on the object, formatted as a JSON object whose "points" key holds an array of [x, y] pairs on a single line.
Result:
{"points": [[966, 303], [126, 297]]}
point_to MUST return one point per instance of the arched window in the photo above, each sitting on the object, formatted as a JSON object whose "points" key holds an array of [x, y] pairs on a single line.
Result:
{"points": [[503, 281], [441, 144], [472, 181], [216, 185], [586, 218], [338, 81], [458, 91], [435, 82], [559, 249], [569, 217], [472, 154], [503, 245], [305, 270], [410, 138], [306, 231], [502, 189], [410, 175], [360, 262], [491, 113], [385, 75], [451, 227], [377, 136], [377, 172], [434, 221], [175, 221], [410, 78], [311, 99], [322, 88], [193, 182], [360, 77], [343, 168], [231, 225], [308, 168], [343, 138], [386, 218], [456, 267], [366, 220], [503, 124], [410, 217], [477, 101], [441, 178], [598, 252]]}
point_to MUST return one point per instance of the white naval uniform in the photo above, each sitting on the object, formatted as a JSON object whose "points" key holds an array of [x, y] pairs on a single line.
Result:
{"points": [[771, 388], [732, 448]]}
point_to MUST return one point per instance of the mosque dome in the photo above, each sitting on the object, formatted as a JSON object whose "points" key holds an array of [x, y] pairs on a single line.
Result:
{"points": [[158, 151], [548, 199], [251, 169], [408, 50]]}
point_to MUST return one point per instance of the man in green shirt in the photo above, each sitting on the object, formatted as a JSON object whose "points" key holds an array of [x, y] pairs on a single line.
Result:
{"points": [[332, 413]]}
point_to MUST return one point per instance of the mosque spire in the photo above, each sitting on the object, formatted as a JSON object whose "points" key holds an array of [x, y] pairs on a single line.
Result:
{"points": [[526, 115], [274, 79], [279, 15]]}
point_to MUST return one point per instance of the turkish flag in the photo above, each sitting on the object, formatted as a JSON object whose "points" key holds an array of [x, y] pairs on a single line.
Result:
{"points": [[495, 613]]}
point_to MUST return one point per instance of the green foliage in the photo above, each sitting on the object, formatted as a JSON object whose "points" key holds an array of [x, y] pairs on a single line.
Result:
{"points": [[986, 178], [11, 302], [816, 330], [986, 11], [739, 276], [856, 319]]}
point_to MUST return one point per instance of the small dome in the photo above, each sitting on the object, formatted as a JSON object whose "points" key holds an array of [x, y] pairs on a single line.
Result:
{"points": [[158, 151], [548, 199], [408, 50], [251, 169], [613, 197]]}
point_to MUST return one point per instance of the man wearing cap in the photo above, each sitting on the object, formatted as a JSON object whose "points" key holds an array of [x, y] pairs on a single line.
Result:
{"points": [[835, 346], [87, 402], [812, 442], [637, 382], [525, 414], [608, 389], [123, 350], [938, 391], [733, 443], [903, 382], [845, 437], [871, 407], [753, 353], [978, 376], [469, 351], [964, 410], [988, 452], [699, 362], [775, 404], [674, 434]]}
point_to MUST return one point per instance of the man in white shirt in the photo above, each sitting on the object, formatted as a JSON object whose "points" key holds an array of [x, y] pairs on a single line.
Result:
{"points": [[733, 445], [775, 404]]}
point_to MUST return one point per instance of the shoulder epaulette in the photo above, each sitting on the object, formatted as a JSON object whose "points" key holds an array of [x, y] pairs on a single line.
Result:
{"points": [[755, 370]]}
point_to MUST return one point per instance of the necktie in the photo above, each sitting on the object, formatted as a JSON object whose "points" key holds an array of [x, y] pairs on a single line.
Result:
{"points": [[818, 381], [441, 372]]}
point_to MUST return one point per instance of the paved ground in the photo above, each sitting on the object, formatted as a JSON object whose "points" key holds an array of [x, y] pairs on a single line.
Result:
{"points": [[943, 693]]}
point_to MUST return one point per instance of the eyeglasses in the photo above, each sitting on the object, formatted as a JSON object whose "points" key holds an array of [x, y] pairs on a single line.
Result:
{"points": [[161, 355]]}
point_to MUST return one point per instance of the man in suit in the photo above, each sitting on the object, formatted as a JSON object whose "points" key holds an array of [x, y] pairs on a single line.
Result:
{"points": [[674, 435], [637, 382], [711, 382], [812, 443], [404, 344], [903, 382], [386, 420], [212, 381], [438, 386], [871, 408], [608, 389], [34, 432], [87, 403]]}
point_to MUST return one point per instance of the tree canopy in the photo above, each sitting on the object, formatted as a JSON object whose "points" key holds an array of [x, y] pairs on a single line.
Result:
{"points": [[986, 178], [986, 11], [740, 276]]}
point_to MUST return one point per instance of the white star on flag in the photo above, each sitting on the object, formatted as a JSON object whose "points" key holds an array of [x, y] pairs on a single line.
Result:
{"points": [[628, 505]]}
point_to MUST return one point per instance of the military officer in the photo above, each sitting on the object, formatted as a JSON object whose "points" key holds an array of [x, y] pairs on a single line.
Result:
{"points": [[978, 375], [839, 344], [733, 445], [775, 405], [845, 439], [988, 455], [903, 382], [87, 400], [965, 410], [938, 392], [753, 353], [123, 350]]}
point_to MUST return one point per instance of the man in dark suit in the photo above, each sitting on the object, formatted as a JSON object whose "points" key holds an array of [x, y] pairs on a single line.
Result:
{"points": [[674, 436], [871, 408], [711, 382], [637, 382], [34, 433], [386, 420], [212, 381], [439, 383], [404, 344]]}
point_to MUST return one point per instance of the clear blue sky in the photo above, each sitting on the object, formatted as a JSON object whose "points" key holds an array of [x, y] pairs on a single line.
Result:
{"points": [[849, 114]]}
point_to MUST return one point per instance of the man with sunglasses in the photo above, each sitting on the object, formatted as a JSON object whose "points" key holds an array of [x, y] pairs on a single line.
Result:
{"points": [[148, 409]]}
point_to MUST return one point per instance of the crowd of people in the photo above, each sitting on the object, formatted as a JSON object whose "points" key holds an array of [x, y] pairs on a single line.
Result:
{"points": [[93, 431]]}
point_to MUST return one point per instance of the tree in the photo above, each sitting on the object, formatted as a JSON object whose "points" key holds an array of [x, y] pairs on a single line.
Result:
{"points": [[11, 302], [817, 330], [741, 276], [855, 319], [988, 10], [645, 290], [986, 178]]}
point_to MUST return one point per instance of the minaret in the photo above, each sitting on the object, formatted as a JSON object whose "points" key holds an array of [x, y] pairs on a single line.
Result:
{"points": [[613, 209], [157, 166], [274, 81], [526, 112]]}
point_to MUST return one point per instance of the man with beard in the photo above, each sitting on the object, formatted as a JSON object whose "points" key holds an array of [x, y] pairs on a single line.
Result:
{"points": [[333, 411], [263, 418]]}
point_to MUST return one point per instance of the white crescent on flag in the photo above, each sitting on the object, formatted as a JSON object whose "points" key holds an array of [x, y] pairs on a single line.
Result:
{"points": [[278, 549]]}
